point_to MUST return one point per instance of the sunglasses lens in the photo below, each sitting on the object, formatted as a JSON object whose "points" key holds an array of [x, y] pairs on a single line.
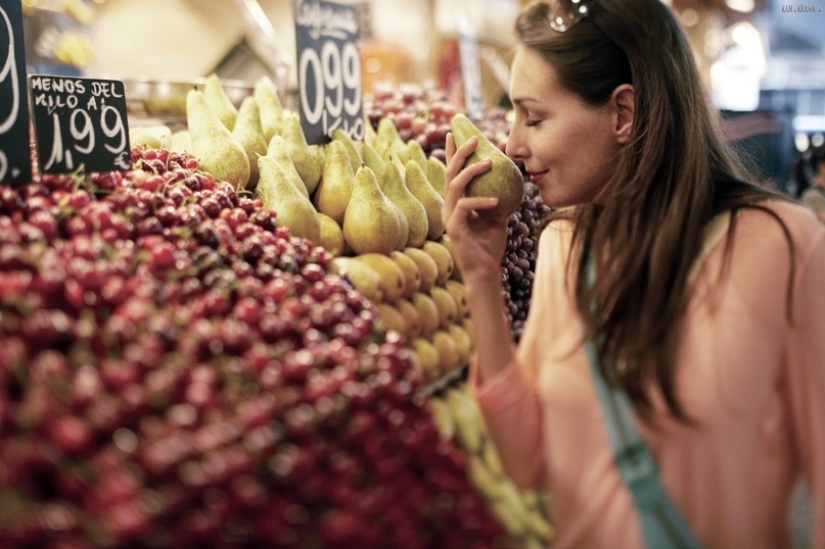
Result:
{"points": [[565, 14]]}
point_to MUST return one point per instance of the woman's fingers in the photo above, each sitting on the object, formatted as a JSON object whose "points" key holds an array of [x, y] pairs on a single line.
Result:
{"points": [[455, 189]]}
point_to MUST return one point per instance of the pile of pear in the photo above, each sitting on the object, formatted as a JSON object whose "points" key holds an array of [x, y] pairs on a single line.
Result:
{"points": [[523, 513], [375, 205]]}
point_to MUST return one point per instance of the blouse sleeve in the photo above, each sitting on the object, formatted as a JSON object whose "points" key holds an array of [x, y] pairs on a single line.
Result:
{"points": [[510, 401], [806, 377]]}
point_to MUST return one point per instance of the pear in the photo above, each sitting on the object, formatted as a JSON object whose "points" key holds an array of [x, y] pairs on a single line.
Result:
{"points": [[155, 137], [369, 131], [219, 102], [420, 188], [370, 223], [448, 243], [354, 157], [427, 313], [392, 281], [456, 289], [362, 277], [387, 138], [304, 156], [463, 343], [412, 275], [269, 103], [320, 152], [443, 260], [427, 267], [415, 152], [216, 149], [411, 318], [410, 207], [373, 160], [331, 238], [450, 360], [293, 209], [444, 302], [250, 134], [504, 180], [277, 149], [391, 318], [429, 362], [437, 174], [181, 141], [337, 180]]}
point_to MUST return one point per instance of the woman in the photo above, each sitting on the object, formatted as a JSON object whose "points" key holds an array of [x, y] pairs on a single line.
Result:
{"points": [[707, 304], [814, 182]]}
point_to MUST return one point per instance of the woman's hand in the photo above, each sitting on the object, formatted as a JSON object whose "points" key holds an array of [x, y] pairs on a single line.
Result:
{"points": [[478, 241]]}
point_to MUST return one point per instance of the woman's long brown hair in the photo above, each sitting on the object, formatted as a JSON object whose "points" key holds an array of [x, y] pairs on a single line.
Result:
{"points": [[674, 176]]}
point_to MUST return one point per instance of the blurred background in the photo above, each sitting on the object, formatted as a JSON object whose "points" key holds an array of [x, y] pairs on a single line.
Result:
{"points": [[763, 60]]}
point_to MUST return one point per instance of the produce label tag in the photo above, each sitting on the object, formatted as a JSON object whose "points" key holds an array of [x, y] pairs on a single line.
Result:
{"points": [[329, 69], [15, 158], [470, 67], [79, 123]]}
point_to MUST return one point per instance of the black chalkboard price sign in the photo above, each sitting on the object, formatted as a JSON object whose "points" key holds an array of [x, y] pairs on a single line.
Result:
{"points": [[79, 123], [15, 160], [329, 69]]}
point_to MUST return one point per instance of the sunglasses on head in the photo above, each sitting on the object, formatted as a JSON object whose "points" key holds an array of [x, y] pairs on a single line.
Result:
{"points": [[566, 14]]}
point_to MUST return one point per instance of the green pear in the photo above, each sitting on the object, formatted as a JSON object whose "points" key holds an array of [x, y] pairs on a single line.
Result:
{"points": [[269, 103], [403, 224], [414, 151], [420, 188], [155, 137], [250, 134], [503, 180], [217, 150], [305, 157], [437, 174], [292, 209], [181, 141], [373, 160], [337, 178], [217, 99], [277, 149], [332, 237], [414, 212], [354, 157], [369, 131], [370, 224], [321, 154], [387, 138]]}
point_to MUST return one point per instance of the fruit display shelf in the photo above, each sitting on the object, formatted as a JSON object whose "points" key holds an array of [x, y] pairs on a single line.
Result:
{"points": [[268, 371], [178, 370]]}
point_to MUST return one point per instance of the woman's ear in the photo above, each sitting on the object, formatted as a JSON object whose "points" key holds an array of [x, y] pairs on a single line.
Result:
{"points": [[623, 101]]}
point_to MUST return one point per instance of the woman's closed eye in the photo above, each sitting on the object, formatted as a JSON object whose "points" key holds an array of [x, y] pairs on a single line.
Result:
{"points": [[533, 122]]}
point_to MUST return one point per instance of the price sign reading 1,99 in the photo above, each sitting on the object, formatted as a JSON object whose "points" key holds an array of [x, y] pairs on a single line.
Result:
{"points": [[79, 123], [329, 69]]}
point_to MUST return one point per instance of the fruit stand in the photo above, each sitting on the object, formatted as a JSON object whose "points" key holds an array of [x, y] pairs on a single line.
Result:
{"points": [[244, 340]]}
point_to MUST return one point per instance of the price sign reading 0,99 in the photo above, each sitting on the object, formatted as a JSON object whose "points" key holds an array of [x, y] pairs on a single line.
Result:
{"points": [[329, 69], [79, 122], [15, 160]]}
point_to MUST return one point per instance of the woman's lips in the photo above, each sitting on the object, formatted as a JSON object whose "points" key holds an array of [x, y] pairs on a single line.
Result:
{"points": [[535, 177]]}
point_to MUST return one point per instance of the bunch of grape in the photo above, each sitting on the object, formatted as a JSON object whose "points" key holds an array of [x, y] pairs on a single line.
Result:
{"points": [[519, 263], [179, 371]]}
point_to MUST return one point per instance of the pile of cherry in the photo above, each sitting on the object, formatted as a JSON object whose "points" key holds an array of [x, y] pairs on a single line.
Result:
{"points": [[178, 371]]}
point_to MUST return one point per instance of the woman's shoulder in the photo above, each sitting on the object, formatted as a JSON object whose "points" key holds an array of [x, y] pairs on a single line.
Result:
{"points": [[768, 226]]}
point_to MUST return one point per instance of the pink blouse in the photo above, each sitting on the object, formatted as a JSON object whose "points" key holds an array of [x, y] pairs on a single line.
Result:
{"points": [[754, 382]]}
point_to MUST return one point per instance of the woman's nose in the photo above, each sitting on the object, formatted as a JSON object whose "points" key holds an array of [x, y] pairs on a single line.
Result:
{"points": [[515, 147]]}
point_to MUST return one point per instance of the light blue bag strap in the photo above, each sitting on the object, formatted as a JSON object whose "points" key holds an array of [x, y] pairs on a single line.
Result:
{"points": [[662, 523]]}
